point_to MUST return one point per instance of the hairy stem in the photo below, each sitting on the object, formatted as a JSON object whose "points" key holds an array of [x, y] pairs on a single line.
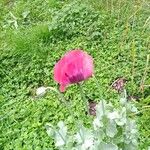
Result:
{"points": [[83, 98], [61, 96]]}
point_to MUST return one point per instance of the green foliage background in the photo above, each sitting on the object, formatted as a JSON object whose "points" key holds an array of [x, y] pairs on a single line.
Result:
{"points": [[35, 34]]}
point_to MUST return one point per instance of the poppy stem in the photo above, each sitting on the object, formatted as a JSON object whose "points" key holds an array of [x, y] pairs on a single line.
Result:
{"points": [[98, 86], [63, 100], [61, 96], [83, 98]]}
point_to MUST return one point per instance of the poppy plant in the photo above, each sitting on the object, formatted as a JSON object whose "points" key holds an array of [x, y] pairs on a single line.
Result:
{"points": [[74, 67]]}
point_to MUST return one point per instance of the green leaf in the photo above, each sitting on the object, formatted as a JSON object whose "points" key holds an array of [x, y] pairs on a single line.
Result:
{"points": [[113, 115], [25, 14], [59, 141], [100, 110], [131, 108], [123, 101], [131, 132], [61, 134], [122, 117], [49, 129], [111, 129], [130, 146], [84, 137], [99, 135], [97, 123], [110, 146]]}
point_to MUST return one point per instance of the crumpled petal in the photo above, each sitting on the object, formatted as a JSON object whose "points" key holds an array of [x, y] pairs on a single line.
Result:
{"points": [[73, 67]]}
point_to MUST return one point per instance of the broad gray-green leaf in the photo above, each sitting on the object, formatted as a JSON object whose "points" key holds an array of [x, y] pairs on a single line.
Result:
{"points": [[97, 123], [131, 108], [58, 135], [25, 14], [122, 117], [131, 132], [49, 129], [113, 115], [96, 145], [100, 108], [84, 137], [99, 135], [111, 129], [123, 101], [130, 146], [59, 141], [62, 129], [61, 134], [131, 127], [108, 146], [118, 139]]}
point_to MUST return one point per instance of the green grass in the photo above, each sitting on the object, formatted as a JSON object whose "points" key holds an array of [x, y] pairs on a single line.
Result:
{"points": [[35, 34]]}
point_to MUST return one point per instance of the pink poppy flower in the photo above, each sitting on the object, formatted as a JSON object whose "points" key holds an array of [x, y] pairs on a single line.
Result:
{"points": [[75, 66]]}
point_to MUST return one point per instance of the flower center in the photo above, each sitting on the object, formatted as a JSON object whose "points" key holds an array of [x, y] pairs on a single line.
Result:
{"points": [[75, 78]]}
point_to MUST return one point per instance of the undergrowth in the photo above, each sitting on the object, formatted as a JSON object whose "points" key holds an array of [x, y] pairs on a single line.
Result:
{"points": [[35, 34]]}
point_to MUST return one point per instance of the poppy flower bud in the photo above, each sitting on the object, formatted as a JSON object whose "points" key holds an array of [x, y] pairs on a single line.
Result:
{"points": [[41, 91]]}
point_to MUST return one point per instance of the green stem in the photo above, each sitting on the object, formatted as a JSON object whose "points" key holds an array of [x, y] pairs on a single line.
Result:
{"points": [[58, 133], [67, 105], [62, 98], [100, 91], [98, 86], [83, 98], [103, 107]]}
